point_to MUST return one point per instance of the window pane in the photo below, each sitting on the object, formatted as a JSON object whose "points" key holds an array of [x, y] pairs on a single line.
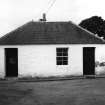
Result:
{"points": [[59, 58], [65, 58], [65, 54], [65, 49], [59, 49], [65, 62], [59, 54], [59, 62]]}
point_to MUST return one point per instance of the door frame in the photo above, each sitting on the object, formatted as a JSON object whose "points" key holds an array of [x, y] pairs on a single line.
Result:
{"points": [[6, 62], [93, 62]]}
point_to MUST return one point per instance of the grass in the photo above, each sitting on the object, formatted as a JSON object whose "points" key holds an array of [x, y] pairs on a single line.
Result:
{"points": [[68, 92]]}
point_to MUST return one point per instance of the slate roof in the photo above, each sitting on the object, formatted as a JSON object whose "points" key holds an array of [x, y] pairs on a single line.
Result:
{"points": [[49, 33]]}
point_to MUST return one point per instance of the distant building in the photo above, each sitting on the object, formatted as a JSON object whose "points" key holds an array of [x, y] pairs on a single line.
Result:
{"points": [[48, 49]]}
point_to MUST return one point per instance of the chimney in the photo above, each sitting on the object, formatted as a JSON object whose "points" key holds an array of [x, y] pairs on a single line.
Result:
{"points": [[44, 18]]}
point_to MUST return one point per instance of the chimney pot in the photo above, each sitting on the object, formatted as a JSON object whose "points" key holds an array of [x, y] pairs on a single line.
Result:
{"points": [[44, 18]]}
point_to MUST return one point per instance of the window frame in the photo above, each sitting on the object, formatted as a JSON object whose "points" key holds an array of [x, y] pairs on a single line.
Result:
{"points": [[62, 56]]}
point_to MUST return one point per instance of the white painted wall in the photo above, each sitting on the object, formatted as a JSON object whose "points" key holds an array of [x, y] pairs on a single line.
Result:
{"points": [[40, 60], [2, 62]]}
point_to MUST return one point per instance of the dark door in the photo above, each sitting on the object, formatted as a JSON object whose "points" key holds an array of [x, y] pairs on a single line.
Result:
{"points": [[11, 62], [89, 61]]}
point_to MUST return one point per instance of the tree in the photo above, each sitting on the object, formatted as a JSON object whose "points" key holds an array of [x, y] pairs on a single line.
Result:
{"points": [[95, 24]]}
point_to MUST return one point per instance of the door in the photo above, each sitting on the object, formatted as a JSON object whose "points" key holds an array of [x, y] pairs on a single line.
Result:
{"points": [[89, 61], [11, 62]]}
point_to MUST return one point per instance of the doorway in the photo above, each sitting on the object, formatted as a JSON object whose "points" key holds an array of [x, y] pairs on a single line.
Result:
{"points": [[11, 62], [89, 61]]}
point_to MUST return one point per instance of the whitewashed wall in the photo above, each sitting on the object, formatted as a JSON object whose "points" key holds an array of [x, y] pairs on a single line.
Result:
{"points": [[40, 60], [2, 62]]}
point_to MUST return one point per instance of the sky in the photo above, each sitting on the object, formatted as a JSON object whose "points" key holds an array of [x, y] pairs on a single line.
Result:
{"points": [[14, 13]]}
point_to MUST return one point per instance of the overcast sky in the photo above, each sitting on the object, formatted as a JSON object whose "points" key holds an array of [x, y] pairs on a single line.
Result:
{"points": [[14, 13]]}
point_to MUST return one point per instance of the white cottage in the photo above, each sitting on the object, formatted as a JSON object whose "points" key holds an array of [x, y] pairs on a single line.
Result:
{"points": [[48, 49]]}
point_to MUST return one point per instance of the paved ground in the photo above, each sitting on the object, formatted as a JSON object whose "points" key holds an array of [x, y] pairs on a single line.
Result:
{"points": [[69, 92]]}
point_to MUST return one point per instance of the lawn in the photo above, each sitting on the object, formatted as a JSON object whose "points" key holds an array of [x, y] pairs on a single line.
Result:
{"points": [[68, 92]]}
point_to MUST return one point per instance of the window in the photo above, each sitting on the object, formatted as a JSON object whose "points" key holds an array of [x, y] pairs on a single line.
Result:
{"points": [[62, 56]]}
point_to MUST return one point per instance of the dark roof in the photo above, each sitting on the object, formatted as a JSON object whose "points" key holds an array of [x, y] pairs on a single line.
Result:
{"points": [[50, 33]]}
